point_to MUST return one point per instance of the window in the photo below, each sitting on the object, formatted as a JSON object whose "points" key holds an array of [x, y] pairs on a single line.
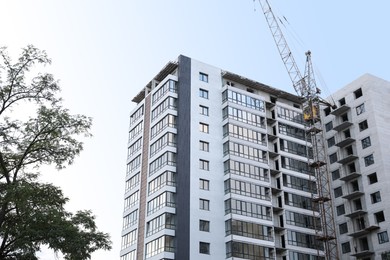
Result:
{"points": [[338, 192], [203, 77], [243, 100], [342, 102], [357, 204], [244, 134], [247, 189], [248, 229], [329, 126], [169, 86], [327, 111], [204, 248], [204, 204], [340, 210], [301, 220], [166, 199], [244, 116], [345, 247], [204, 128], [376, 197], [360, 109], [368, 160], [130, 219], [129, 239], [246, 170], [159, 245], [204, 165], [333, 158], [358, 93], [366, 142], [204, 146], [303, 240], [204, 225], [203, 93], [383, 237], [363, 125], [246, 208], [335, 175], [164, 221], [331, 141], [203, 110], [244, 151], [379, 217], [204, 184], [343, 228], [372, 178]]}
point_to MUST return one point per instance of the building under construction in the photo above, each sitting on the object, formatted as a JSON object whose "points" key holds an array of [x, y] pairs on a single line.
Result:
{"points": [[219, 166]]}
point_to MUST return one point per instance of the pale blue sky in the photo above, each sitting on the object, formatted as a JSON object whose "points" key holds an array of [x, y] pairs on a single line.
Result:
{"points": [[105, 51]]}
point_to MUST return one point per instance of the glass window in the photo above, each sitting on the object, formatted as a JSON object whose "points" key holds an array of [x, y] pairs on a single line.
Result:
{"points": [[204, 184], [342, 102], [383, 237], [345, 247], [204, 248], [363, 125], [335, 175], [366, 142], [329, 126], [372, 178], [203, 110], [360, 109], [203, 77], [368, 160], [338, 192], [343, 228], [204, 165], [333, 158], [204, 225], [331, 141], [204, 204], [204, 128], [340, 210], [204, 146], [203, 93], [376, 197]]}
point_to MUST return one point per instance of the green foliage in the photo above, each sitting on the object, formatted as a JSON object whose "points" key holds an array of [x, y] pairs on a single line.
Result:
{"points": [[32, 214]]}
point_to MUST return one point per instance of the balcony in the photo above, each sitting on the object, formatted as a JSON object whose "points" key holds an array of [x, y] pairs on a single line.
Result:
{"points": [[363, 253], [350, 176], [363, 231], [340, 110], [342, 126], [349, 158], [356, 213], [353, 195], [345, 142]]}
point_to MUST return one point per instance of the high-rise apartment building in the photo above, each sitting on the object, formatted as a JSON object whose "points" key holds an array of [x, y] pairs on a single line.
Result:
{"points": [[218, 169], [358, 140]]}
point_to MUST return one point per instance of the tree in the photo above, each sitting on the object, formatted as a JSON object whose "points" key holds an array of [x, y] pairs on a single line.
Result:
{"points": [[32, 213]]}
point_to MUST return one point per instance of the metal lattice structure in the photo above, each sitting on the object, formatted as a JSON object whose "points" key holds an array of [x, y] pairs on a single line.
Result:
{"points": [[305, 87]]}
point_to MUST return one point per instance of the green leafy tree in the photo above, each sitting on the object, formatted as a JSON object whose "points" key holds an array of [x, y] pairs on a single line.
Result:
{"points": [[32, 213]]}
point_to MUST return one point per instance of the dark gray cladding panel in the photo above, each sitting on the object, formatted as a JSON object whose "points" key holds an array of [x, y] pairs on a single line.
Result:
{"points": [[183, 159]]}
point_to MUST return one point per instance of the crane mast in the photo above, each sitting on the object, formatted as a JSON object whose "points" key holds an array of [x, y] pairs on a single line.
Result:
{"points": [[305, 87]]}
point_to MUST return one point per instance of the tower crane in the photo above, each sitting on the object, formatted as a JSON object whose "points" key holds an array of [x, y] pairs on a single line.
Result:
{"points": [[305, 86]]}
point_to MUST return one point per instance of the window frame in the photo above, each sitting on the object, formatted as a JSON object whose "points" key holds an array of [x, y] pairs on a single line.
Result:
{"points": [[203, 93], [203, 77], [204, 204]]}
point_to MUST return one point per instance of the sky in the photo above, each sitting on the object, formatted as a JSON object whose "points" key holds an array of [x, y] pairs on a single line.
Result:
{"points": [[105, 51]]}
